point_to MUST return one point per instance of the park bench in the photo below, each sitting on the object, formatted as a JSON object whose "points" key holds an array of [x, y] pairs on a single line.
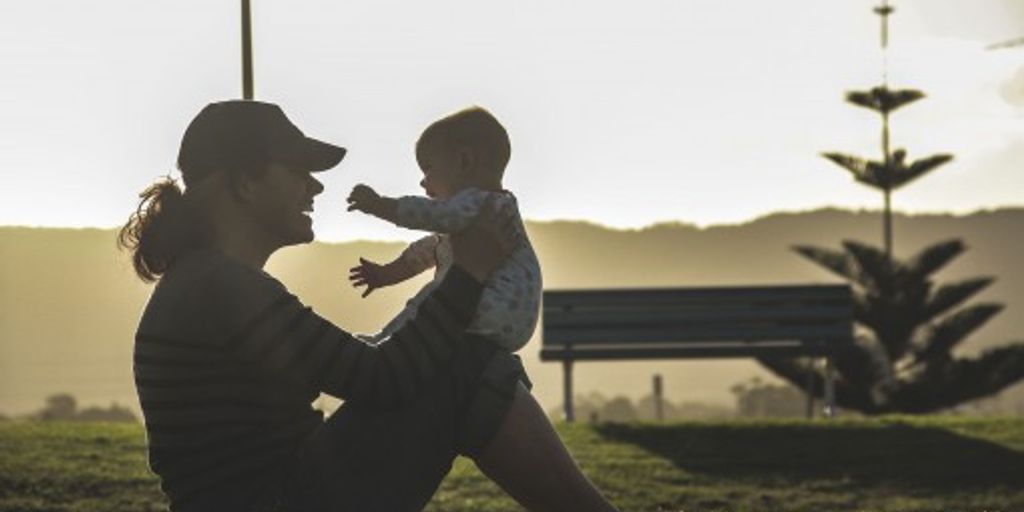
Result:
{"points": [[706, 322]]}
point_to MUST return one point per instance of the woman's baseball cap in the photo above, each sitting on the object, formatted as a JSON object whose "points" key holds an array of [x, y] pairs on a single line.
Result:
{"points": [[243, 136]]}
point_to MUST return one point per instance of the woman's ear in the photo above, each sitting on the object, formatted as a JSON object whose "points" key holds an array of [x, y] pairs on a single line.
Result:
{"points": [[243, 187]]}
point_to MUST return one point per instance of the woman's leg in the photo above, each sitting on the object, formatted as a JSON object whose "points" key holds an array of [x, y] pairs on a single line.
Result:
{"points": [[528, 460], [369, 460]]}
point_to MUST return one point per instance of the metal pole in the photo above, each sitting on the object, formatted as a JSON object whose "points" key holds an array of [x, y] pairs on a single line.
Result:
{"points": [[247, 91], [810, 389], [830, 388], [659, 410]]}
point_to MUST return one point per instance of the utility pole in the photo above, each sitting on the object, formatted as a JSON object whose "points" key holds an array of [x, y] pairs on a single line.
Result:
{"points": [[247, 90]]}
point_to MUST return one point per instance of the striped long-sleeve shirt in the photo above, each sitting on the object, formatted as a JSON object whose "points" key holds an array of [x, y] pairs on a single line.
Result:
{"points": [[228, 362]]}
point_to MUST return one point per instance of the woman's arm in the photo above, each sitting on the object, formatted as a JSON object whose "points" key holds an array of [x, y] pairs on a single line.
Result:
{"points": [[284, 338], [275, 332]]}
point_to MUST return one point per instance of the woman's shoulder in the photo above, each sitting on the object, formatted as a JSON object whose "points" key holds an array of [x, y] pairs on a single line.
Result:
{"points": [[207, 288]]}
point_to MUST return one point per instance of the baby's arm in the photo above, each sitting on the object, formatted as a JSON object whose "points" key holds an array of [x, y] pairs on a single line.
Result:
{"points": [[451, 215], [419, 256], [367, 200]]}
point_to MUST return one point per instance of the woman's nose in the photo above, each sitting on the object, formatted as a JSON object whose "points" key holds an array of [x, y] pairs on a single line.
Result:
{"points": [[316, 186]]}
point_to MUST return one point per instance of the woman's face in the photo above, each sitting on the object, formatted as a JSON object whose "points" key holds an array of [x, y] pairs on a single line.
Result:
{"points": [[281, 201]]}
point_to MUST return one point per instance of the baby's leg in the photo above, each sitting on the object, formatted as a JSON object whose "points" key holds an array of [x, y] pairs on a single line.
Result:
{"points": [[529, 461]]}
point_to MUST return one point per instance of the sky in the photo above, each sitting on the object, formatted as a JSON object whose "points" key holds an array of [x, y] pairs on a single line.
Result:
{"points": [[620, 113]]}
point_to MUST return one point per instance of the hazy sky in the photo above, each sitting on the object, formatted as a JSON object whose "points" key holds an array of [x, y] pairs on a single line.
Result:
{"points": [[623, 113]]}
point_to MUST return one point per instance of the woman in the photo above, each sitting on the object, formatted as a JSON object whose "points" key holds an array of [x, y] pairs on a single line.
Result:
{"points": [[227, 362]]}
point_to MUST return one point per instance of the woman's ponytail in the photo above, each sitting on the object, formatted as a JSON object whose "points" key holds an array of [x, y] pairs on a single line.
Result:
{"points": [[162, 227]]}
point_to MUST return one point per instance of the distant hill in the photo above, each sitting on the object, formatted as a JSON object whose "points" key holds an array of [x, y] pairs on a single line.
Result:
{"points": [[69, 302]]}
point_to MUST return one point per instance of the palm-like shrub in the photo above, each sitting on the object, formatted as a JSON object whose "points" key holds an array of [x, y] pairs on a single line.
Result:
{"points": [[908, 328], [903, 360]]}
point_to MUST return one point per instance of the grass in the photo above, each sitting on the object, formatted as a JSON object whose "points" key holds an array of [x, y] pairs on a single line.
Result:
{"points": [[886, 464]]}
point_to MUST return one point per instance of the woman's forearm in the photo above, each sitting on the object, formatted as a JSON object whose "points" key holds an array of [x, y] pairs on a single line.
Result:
{"points": [[288, 339]]}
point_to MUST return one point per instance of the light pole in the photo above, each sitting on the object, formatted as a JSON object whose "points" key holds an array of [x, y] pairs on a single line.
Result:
{"points": [[247, 91]]}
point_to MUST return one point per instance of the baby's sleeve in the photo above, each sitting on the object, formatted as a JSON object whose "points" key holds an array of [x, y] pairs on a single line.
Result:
{"points": [[440, 216], [421, 254]]}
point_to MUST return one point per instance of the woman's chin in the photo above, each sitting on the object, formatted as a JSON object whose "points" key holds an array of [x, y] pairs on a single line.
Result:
{"points": [[301, 232], [306, 234]]}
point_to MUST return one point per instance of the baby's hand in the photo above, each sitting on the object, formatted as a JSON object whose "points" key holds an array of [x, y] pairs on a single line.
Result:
{"points": [[364, 199], [368, 274]]}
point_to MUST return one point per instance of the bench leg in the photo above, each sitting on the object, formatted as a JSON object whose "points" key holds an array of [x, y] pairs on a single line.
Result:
{"points": [[809, 390], [567, 387], [830, 389]]}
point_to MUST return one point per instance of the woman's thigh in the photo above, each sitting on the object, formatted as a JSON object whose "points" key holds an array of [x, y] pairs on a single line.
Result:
{"points": [[376, 460], [363, 459]]}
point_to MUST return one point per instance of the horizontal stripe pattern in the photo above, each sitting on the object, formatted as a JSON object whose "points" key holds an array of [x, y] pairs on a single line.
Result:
{"points": [[226, 390]]}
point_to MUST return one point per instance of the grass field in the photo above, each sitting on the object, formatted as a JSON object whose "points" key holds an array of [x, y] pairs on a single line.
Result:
{"points": [[888, 464]]}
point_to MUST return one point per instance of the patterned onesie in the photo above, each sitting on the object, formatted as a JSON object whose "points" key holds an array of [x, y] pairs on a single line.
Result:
{"points": [[510, 304]]}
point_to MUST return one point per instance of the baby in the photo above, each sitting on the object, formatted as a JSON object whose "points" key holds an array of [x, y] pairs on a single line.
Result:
{"points": [[463, 158]]}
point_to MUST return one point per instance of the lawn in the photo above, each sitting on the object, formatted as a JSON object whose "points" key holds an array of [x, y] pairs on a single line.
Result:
{"points": [[887, 464]]}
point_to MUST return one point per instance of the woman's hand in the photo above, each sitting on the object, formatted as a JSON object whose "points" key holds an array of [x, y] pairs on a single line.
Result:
{"points": [[487, 242]]}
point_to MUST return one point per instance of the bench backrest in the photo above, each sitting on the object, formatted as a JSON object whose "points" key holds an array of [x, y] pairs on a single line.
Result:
{"points": [[696, 322]]}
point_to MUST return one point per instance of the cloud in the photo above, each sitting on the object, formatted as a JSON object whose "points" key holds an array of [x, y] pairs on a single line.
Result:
{"points": [[984, 21], [1013, 89]]}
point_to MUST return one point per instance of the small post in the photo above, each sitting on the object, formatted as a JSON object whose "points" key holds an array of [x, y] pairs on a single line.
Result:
{"points": [[247, 89], [567, 386], [830, 389], [659, 410], [810, 390]]}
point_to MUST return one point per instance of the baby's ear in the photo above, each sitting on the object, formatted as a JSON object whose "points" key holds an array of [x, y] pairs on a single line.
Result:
{"points": [[467, 160]]}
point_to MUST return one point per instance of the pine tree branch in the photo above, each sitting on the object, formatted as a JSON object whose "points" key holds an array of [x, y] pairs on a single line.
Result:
{"points": [[942, 337], [951, 295], [950, 382]]}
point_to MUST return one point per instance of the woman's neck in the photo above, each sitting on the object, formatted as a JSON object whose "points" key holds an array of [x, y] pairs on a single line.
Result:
{"points": [[242, 242]]}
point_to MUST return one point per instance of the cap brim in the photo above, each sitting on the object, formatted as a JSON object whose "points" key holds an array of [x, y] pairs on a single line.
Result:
{"points": [[312, 155]]}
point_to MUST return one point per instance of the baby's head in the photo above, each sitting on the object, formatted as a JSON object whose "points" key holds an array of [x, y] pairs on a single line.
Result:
{"points": [[469, 148]]}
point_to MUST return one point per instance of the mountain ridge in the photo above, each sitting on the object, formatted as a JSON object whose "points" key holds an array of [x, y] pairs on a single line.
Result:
{"points": [[69, 300]]}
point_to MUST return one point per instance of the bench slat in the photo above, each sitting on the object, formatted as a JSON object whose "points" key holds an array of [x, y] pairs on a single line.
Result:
{"points": [[695, 295], [669, 334], [713, 350], [694, 315]]}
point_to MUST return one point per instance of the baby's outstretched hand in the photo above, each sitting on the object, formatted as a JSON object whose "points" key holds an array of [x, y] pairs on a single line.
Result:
{"points": [[368, 274], [363, 198]]}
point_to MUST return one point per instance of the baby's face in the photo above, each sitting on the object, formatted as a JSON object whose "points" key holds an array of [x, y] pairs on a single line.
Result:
{"points": [[442, 176]]}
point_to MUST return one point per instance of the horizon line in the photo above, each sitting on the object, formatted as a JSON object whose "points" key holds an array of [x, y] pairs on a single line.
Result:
{"points": [[651, 225]]}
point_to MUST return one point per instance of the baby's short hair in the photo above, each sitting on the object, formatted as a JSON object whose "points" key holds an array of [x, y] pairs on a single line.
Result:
{"points": [[475, 129]]}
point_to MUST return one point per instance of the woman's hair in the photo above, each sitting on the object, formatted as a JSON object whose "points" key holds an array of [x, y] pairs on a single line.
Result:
{"points": [[163, 226]]}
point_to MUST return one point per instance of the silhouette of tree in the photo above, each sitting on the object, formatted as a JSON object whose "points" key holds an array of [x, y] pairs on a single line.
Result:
{"points": [[59, 407], [893, 171], [64, 407], [904, 361], [756, 399]]}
